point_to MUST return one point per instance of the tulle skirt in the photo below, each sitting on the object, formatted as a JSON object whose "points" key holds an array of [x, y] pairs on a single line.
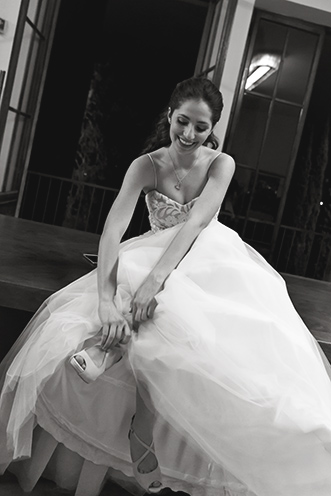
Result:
{"points": [[240, 388]]}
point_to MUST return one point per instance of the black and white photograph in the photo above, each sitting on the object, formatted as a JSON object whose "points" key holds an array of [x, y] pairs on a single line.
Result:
{"points": [[165, 247]]}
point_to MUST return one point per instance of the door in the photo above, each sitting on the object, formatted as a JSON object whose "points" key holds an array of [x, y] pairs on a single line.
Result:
{"points": [[277, 78]]}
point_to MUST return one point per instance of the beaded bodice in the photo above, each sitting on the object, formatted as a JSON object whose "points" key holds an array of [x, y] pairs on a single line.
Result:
{"points": [[165, 212]]}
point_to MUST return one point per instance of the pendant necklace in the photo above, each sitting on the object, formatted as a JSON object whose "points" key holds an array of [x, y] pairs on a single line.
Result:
{"points": [[181, 179]]}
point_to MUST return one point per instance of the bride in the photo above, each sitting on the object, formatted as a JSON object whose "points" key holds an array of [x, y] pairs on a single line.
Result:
{"points": [[180, 361]]}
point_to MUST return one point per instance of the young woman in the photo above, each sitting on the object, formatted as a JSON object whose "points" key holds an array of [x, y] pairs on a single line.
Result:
{"points": [[198, 374]]}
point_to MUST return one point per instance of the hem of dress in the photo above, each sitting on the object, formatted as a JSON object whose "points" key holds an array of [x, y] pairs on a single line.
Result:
{"points": [[176, 482]]}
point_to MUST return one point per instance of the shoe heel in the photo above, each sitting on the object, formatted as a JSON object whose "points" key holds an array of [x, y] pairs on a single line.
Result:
{"points": [[146, 480]]}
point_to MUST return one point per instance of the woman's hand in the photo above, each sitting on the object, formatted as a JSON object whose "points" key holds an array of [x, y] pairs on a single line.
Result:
{"points": [[144, 302], [115, 328]]}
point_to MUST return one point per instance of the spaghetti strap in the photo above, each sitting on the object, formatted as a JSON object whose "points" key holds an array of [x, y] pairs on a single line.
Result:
{"points": [[212, 161], [154, 169], [220, 153]]}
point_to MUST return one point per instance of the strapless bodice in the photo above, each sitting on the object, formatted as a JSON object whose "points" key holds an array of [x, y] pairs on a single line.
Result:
{"points": [[165, 212]]}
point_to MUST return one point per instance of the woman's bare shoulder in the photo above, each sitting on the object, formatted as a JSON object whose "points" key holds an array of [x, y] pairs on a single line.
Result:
{"points": [[221, 165], [221, 158], [142, 164], [141, 172], [159, 156]]}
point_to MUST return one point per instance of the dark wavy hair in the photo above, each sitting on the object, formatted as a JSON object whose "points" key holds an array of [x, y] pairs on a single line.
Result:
{"points": [[195, 88]]}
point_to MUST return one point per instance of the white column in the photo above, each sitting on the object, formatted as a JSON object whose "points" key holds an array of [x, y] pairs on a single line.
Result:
{"points": [[236, 48]]}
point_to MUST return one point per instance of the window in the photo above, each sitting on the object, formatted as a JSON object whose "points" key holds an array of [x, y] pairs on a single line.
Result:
{"points": [[24, 83]]}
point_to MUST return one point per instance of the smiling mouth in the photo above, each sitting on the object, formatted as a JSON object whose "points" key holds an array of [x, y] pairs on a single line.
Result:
{"points": [[185, 142]]}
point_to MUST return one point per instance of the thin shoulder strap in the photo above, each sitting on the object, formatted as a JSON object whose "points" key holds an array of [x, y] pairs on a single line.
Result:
{"points": [[220, 153], [154, 169]]}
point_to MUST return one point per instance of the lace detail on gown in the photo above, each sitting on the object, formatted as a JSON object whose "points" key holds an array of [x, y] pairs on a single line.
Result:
{"points": [[165, 212]]}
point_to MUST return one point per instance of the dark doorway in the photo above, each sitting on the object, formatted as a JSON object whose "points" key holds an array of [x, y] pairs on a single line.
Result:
{"points": [[146, 47]]}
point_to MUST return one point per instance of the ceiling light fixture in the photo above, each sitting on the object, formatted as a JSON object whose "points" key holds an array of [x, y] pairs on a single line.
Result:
{"points": [[261, 67]]}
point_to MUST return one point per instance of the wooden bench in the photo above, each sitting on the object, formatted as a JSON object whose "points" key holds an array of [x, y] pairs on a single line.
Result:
{"points": [[38, 259], [35, 261]]}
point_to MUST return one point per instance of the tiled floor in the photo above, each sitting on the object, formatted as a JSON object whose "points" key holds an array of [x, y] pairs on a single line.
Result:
{"points": [[10, 487]]}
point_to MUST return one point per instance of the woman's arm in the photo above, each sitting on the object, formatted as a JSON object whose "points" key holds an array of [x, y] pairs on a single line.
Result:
{"points": [[138, 177], [220, 175]]}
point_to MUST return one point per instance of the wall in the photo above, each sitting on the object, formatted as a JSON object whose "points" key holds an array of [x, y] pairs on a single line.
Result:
{"points": [[315, 11], [317, 4], [9, 10]]}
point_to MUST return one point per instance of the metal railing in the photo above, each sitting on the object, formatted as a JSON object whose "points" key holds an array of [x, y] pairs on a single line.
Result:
{"points": [[84, 206], [74, 204], [303, 252]]}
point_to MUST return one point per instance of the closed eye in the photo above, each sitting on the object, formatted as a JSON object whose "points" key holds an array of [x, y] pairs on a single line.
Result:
{"points": [[198, 128]]}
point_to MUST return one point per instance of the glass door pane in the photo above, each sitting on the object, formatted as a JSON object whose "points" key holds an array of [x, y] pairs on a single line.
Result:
{"points": [[268, 119]]}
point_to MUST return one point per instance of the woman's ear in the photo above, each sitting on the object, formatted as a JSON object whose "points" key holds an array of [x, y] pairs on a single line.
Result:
{"points": [[169, 115]]}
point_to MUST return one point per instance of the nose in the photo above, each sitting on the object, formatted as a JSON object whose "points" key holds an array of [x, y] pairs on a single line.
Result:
{"points": [[189, 132]]}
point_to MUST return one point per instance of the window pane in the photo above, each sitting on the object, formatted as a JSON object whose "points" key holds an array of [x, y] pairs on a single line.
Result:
{"points": [[266, 197], [10, 123], [239, 192], [22, 61], [277, 150], [45, 5], [29, 90], [36, 12], [250, 129], [11, 146], [15, 147], [33, 10], [270, 40], [296, 66]]}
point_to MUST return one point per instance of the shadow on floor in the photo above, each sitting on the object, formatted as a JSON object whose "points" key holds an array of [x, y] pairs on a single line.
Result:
{"points": [[9, 487]]}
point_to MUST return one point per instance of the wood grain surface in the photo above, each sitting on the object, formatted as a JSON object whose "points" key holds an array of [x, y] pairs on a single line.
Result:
{"points": [[38, 259]]}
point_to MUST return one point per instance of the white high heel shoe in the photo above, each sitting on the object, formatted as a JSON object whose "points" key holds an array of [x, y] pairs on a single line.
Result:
{"points": [[150, 481], [90, 371]]}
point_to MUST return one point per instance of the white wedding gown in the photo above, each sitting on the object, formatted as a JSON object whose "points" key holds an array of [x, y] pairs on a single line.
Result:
{"points": [[241, 389]]}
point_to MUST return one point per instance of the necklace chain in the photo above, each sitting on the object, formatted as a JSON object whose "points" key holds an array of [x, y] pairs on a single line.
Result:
{"points": [[180, 180]]}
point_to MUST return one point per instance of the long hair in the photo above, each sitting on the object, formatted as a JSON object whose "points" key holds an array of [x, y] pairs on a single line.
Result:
{"points": [[195, 88]]}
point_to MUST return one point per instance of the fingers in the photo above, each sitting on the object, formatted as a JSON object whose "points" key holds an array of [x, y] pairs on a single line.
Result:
{"points": [[151, 308], [113, 334], [109, 338], [126, 334], [141, 313], [138, 315]]}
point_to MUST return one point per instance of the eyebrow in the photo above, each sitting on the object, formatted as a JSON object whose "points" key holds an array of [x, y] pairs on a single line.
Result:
{"points": [[199, 122]]}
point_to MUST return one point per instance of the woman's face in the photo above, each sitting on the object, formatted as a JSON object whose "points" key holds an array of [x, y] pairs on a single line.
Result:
{"points": [[190, 125]]}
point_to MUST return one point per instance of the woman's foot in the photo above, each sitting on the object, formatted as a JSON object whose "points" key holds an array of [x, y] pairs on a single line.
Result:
{"points": [[145, 464]]}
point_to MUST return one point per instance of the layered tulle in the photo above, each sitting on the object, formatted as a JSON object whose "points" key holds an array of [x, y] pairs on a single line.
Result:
{"points": [[241, 389]]}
